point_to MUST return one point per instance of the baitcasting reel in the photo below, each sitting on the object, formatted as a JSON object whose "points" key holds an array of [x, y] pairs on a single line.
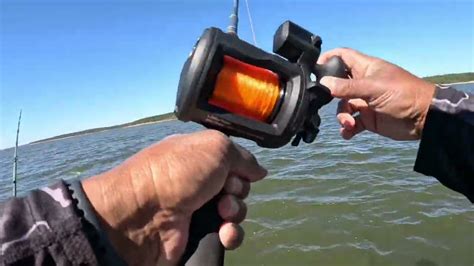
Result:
{"points": [[232, 86]]}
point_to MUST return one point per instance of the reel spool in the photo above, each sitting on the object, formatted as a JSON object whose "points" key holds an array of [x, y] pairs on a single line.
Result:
{"points": [[232, 86], [246, 90]]}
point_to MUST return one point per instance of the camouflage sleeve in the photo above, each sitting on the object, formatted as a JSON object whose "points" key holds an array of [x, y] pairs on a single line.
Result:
{"points": [[447, 145], [45, 228]]}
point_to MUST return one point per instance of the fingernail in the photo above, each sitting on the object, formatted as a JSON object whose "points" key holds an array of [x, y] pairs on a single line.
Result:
{"points": [[325, 81]]}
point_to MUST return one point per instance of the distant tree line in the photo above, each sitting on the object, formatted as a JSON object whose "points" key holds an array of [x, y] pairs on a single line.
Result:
{"points": [[451, 78], [439, 79], [150, 119]]}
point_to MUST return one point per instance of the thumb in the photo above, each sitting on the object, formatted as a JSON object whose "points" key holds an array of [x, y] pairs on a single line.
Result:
{"points": [[348, 88]]}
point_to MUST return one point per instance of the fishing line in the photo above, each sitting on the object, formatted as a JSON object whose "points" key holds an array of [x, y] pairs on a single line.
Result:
{"points": [[247, 90], [251, 23]]}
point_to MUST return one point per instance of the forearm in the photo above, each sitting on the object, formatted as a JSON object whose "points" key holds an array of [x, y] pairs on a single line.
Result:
{"points": [[447, 145]]}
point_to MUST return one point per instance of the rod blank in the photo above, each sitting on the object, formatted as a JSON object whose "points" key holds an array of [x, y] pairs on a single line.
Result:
{"points": [[15, 157], [234, 19]]}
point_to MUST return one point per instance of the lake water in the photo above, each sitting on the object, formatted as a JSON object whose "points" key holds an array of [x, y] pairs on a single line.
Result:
{"points": [[333, 202]]}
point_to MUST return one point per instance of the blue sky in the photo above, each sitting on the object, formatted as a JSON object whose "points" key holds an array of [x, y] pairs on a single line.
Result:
{"points": [[74, 65]]}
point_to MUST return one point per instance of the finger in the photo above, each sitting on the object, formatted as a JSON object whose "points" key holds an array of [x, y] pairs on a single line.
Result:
{"points": [[352, 106], [346, 110], [244, 164], [232, 209], [354, 60], [344, 114], [359, 125], [349, 88], [351, 125], [346, 121], [172, 136], [237, 186], [231, 235], [345, 134], [358, 105], [350, 133]]}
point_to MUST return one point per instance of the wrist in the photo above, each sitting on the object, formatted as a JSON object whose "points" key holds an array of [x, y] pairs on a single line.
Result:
{"points": [[424, 98], [92, 227], [131, 220], [109, 198]]}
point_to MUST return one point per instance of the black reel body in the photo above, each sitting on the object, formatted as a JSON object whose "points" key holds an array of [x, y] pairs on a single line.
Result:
{"points": [[300, 97]]}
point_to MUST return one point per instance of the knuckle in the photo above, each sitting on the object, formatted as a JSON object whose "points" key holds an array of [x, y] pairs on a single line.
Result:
{"points": [[346, 50], [376, 60], [172, 136], [350, 85], [220, 143], [218, 138]]}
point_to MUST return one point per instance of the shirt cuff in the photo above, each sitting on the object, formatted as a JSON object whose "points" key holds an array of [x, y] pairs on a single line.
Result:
{"points": [[103, 249]]}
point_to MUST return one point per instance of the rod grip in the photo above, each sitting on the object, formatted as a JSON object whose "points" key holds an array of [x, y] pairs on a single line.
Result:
{"points": [[204, 247]]}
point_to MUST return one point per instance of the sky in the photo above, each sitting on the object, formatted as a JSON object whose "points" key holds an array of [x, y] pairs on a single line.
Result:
{"points": [[79, 64]]}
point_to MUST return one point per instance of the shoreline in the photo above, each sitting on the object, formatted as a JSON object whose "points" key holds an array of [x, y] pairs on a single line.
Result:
{"points": [[149, 123], [459, 83], [85, 134], [166, 120]]}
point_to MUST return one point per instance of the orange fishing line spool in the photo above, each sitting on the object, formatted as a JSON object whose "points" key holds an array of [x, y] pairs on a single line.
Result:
{"points": [[246, 90]]}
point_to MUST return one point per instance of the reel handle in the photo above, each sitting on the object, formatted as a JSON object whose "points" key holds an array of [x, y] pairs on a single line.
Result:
{"points": [[321, 96], [204, 246], [335, 67]]}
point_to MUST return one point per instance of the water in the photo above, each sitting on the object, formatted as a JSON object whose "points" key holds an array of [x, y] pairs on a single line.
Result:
{"points": [[332, 202]]}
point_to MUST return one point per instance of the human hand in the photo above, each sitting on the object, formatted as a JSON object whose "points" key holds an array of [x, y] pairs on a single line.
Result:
{"points": [[146, 203], [390, 101]]}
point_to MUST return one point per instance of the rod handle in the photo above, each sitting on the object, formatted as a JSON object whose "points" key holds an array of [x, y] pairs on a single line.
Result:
{"points": [[204, 247]]}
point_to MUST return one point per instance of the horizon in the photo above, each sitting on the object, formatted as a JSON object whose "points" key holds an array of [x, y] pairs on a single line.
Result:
{"points": [[104, 127], [109, 127], [82, 65]]}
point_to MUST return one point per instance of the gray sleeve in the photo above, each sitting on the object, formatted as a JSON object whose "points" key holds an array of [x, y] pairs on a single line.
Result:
{"points": [[44, 228], [447, 145]]}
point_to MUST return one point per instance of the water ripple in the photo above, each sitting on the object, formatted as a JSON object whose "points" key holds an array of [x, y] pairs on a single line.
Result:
{"points": [[332, 202]]}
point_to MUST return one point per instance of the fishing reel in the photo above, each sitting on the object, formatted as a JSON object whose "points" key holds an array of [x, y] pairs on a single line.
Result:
{"points": [[232, 86]]}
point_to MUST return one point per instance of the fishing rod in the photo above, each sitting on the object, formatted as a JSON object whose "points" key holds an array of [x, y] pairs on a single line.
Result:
{"points": [[15, 156], [234, 19], [232, 86], [204, 246]]}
